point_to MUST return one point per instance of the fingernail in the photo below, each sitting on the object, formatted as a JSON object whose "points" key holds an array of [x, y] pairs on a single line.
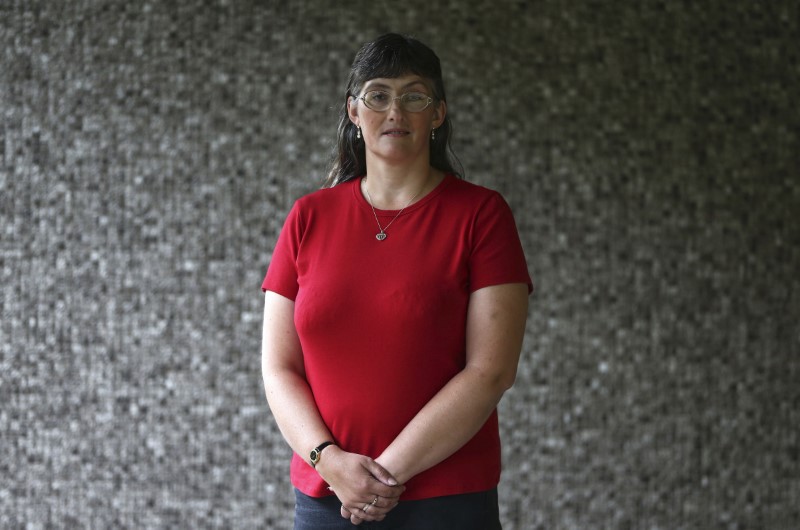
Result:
{"points": [[392, 482]]}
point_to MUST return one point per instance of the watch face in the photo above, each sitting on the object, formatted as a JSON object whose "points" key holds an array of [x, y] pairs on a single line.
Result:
{"points": [[317, 452]]}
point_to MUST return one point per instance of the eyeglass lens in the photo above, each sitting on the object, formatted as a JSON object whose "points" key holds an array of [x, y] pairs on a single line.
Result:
{"points": [[410, 101]]}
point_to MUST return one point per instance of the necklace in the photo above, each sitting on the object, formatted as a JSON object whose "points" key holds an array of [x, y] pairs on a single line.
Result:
{"points": [[381, 235]]}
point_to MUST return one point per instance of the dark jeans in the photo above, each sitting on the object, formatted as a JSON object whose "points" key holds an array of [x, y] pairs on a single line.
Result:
{"points": [[470, 511]]}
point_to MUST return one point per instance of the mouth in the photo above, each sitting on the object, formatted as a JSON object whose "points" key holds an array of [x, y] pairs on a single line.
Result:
{"points": [[396, 132]]}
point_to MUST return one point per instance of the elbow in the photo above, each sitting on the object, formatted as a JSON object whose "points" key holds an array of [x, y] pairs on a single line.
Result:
{"points": [[506, 380], [496, 381], [276, 378]]}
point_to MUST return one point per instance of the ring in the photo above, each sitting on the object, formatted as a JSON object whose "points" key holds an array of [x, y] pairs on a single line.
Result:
{"points": [[366, 507], [375, 500]]}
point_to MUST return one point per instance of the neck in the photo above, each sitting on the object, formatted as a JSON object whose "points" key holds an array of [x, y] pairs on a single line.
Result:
{"points": [[392, 187]]}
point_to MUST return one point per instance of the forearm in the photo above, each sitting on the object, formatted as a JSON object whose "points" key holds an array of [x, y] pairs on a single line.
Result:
{"points": [[356, 479], [447, 422], [288, 394], [495, 329], [295, 411]]}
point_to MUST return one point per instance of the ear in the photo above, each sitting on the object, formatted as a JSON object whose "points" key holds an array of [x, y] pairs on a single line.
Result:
{"points": [[439, 112], [352, 109]]}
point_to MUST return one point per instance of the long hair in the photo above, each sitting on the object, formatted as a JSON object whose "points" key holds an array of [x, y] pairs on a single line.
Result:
{"points": [[389, 56]]}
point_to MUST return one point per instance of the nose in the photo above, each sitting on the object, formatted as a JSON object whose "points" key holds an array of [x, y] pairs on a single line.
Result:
{"points": [[396, 106]]}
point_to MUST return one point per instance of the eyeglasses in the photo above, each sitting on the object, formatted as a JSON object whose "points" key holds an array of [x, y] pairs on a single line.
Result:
{"points": [[381, 101]]}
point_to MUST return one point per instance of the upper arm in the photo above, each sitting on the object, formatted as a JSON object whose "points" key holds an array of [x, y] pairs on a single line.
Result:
{"points": [[280, 346], [495, 329]]}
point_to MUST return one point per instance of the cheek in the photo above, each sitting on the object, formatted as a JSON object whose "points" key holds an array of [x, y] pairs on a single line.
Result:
{"points": [[370, 123]]}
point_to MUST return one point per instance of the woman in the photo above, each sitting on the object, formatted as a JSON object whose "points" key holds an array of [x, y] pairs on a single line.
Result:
{"points": [[395, 307]]}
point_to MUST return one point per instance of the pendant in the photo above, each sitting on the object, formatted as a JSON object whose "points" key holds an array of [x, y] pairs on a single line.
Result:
{"points": [[380, 236]]}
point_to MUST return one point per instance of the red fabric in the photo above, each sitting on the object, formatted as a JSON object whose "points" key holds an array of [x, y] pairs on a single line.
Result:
{"points": [[382, 323]]}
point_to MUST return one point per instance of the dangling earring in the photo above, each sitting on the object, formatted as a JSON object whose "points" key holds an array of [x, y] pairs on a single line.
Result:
{"points": [[433, 134], [358, 132]]}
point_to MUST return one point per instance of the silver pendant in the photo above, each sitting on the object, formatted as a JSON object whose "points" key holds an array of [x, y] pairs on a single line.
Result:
{"points": [[380, 236]]}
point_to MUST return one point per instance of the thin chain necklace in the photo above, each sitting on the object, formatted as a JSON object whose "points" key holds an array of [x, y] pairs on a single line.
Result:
{"points": [[381, 235]]}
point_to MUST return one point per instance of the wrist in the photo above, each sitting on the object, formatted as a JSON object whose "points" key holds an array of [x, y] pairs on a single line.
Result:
{"points": [[324, 465], [316, 454], [392, 468]]}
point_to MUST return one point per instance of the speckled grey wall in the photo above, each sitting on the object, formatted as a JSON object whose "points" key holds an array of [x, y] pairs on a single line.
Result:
{"points": [[148, 154]]}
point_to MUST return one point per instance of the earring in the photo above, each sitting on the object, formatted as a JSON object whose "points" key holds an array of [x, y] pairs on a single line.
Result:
{"points": [[433, 134], [358, 132]]}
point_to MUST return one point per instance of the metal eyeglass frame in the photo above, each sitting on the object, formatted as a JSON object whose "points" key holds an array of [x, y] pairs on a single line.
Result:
{"points": [[394, 98]]}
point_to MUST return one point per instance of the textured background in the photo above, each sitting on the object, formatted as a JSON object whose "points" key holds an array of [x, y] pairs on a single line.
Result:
{"points": [[150, 150]]}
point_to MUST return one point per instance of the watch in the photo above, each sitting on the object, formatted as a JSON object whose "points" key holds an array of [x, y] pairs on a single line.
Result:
{"points": [[316, 453]]}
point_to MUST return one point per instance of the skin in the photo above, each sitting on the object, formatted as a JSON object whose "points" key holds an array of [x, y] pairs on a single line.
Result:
{"points": [[356, 479], [397, 152], [397, 143]]}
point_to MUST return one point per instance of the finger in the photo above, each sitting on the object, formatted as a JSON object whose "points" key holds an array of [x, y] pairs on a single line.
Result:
{"points": [[388, 501], [376, 487], [387, 495], [376, 511], [345, 512], [376, 502], [370, 514]]}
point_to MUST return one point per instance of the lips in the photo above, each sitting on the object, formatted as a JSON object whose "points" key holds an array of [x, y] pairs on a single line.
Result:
{"points": [[395, 132]]}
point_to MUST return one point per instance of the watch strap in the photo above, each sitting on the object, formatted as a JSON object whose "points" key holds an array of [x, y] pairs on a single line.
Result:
{"points": [[316, 453]]}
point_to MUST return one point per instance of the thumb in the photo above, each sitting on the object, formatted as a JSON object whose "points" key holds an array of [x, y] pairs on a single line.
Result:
{"points": [[380, 473]]}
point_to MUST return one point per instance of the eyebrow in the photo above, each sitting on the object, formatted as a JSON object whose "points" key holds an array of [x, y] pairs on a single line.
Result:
{"points": [[378, 85]]}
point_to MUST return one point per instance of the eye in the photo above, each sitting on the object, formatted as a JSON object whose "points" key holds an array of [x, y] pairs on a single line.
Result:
{"points": [[413, 97], [377, 96]]}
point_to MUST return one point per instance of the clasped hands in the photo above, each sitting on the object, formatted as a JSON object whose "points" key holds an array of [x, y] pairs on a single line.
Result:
{"points": [[366, 489]]}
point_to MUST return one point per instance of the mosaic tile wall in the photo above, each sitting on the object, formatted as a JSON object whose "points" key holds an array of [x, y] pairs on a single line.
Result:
{"points": [[149, 151]]}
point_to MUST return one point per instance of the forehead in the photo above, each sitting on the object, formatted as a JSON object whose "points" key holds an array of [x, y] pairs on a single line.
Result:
{"points": [[406, 82]]}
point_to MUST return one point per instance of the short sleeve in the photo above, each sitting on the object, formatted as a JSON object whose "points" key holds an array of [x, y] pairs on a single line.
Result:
{"points": [[497, 256], [282, 274]]}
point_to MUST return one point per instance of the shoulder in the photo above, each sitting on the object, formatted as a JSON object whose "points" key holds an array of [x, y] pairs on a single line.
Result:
{"points": [[484, 210], [325, 198], [474, 196], [470, 189]]}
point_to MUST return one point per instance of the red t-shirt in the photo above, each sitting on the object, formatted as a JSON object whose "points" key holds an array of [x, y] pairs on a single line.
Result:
{"points": [[382, 324]]}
